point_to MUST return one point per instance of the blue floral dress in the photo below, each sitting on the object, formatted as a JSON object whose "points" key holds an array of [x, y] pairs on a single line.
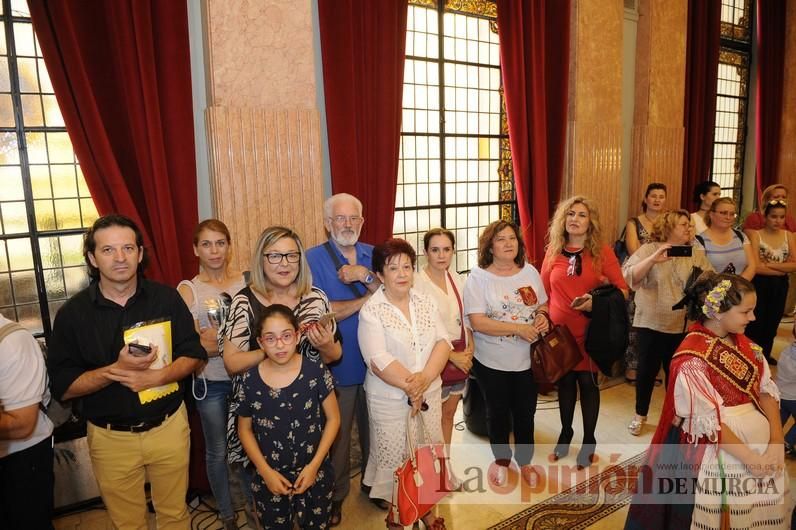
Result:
{"points": [[288, 423]]}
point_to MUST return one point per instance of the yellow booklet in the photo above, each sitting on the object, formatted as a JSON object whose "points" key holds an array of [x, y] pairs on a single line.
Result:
{"points": [[157, 334]]}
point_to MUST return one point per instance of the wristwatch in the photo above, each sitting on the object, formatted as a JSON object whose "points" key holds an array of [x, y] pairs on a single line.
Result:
{"points": [[369, 278]]}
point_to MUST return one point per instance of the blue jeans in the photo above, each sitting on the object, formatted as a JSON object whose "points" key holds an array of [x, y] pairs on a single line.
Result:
{"points": [[787, 408], [213, 413]]}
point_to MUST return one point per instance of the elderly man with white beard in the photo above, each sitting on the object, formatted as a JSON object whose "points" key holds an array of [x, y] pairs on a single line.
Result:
{"points": [[341, 268]]}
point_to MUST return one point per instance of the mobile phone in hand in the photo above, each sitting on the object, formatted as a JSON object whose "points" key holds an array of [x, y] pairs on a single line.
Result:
{"points": [[578, 300], [139, 350], [326, 319], [680, 251]]}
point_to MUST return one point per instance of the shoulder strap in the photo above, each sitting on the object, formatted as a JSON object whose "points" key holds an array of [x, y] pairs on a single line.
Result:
{"points": [[10, 328], [192, 287], [338, 265], [459, 300], [701, 240], [639, 227], [738, 234]]}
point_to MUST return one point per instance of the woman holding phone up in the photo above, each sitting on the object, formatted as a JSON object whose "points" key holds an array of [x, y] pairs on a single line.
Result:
{"points": [[658, 273]]}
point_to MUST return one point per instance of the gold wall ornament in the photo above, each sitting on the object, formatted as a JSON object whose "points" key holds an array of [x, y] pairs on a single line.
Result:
{"points": [[423, 3], [482, 8]]}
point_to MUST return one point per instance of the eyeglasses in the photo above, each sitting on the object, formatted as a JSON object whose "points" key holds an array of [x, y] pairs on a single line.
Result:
{"points": [[285, 337], [274, 258], [729, 213], [353, 219]]}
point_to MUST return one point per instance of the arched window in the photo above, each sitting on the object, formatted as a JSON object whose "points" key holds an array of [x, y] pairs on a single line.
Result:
{"points": [[45, 206], [455, 161]]}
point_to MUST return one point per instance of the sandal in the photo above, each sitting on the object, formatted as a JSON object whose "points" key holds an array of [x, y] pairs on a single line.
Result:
{"points": [[636, 425], [337, 514]]}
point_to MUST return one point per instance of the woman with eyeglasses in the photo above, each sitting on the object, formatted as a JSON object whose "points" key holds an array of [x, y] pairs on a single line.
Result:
{"points": [[658, 275], [775, 252], [727, 248], [578, 260], [279, 275], [207, 295], [405, 347]]}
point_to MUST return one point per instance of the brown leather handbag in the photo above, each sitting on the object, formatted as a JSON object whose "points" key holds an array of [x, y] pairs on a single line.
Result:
{"points": [[554, 354]]}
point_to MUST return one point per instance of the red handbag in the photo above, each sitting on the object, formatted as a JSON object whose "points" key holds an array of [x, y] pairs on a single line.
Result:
{"points": [[421, 481], [452, 374]]}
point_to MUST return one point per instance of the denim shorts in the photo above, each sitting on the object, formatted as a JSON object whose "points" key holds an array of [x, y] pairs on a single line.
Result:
{"points": [[456, 389]]}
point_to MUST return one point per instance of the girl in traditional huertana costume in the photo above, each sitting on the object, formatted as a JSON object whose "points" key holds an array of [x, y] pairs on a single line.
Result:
{"points": [[717, 458]]}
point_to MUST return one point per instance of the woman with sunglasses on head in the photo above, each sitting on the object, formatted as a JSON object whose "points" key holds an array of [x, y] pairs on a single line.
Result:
{"points": [[727, 248], [775, 251], [405, 347], [578, 260], [279, 275], [757, 220], [658, 273], [207, 295]]}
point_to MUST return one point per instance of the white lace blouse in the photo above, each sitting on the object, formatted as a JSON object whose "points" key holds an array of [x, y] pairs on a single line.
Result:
{"points": [[700, 405], [385, 336]]}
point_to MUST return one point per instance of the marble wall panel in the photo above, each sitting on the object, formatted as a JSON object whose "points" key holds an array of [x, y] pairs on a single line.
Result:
{"points": [[787, 152], [260, 53], [266, 170], [656, 156], [594, 157]]}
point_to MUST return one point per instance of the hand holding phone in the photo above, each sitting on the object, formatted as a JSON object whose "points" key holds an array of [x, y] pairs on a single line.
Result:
{"points": [[326, 319], [138, 349], [680, 251], [578, 300]]}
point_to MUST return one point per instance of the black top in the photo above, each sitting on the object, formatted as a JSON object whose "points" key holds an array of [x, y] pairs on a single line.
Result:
{"points": [[88, 334]]}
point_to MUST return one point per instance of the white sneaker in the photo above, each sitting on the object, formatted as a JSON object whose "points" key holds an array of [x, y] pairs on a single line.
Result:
{"points": [[499, 475]]}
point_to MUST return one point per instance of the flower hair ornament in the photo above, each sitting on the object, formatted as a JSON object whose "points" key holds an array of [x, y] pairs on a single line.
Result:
{"points": [[715, 297]]}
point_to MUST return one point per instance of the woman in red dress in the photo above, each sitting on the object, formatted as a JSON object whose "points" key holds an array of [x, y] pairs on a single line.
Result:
{"points": [[577, 260]]}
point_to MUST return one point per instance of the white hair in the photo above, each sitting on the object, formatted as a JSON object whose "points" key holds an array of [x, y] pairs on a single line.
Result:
{"points": [[328, 204]]}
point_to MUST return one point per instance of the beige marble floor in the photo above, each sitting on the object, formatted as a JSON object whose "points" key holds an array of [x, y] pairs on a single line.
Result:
{"points": [[471, 511]]}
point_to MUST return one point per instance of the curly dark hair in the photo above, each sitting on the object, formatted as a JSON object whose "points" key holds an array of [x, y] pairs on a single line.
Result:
{"points": [[697, 291], [488, 236]]}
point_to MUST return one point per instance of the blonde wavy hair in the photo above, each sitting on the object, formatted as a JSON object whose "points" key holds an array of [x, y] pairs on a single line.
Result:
{"points": [[259, 281], [557, 232], [665, 224], [715, 205]]}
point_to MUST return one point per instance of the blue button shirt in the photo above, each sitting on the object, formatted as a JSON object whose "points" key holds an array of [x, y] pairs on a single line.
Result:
{"points": [[350, 370]]}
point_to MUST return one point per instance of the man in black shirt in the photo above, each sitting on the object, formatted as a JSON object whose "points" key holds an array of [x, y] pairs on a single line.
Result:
{"points": [[131, 436]]}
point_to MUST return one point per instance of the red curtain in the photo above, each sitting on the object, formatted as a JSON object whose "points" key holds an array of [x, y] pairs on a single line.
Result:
{"points": [[768, 102], [362, 45], [121, 74], [534, 54], [701, 75]]}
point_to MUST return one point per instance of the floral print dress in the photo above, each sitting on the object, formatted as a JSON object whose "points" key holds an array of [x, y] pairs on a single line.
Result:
{"points": [[288, 423]]}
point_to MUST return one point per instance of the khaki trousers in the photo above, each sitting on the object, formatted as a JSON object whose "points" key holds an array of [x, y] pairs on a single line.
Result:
{"points": [[123, 461]]}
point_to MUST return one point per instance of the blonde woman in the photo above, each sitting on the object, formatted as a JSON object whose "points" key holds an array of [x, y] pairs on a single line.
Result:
{"points": [[279, 275], [727, 248], [659, 279], [577, 260]]}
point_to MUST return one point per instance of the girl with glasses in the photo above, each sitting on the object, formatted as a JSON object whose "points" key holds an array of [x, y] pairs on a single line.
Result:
{"points": [[287, 420], [279, 275]]}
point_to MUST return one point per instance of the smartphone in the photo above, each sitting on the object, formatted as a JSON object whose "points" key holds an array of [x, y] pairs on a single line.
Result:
{"points": [[326, 319], [139, 350], [578, 300], [680, 251]]}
